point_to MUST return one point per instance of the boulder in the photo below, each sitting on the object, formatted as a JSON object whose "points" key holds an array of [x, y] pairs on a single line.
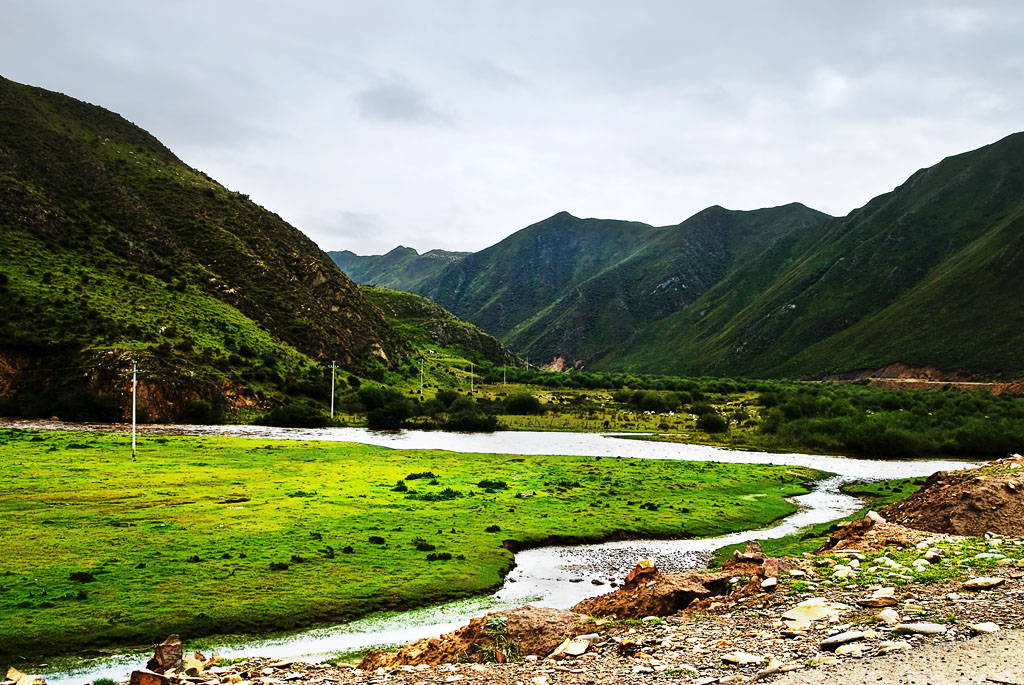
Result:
{"points": [[527, 630], [145, 677], [649, 593], [166, 655]]}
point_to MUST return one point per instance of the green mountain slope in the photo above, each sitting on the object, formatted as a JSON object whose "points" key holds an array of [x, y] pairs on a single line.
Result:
{"points": [[666, 274], [401, 269], [929, 274], [503, 285], [432, 330], [112, 248]]}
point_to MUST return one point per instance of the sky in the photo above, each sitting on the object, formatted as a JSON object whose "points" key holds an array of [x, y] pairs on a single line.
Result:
{"points": [[444, 124]]}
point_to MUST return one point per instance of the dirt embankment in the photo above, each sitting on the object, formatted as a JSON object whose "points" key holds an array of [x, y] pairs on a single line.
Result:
{"points": [[972, 502], [905, 377]]}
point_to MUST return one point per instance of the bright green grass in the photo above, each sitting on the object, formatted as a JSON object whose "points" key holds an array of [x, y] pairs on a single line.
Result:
{"points": [[75, 502]]}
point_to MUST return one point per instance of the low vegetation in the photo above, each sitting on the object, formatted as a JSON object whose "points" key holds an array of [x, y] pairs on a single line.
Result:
{"points": [[217, 535]]}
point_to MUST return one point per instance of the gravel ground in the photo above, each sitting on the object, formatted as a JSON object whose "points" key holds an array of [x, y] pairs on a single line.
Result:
{"points": [[996, 658]]}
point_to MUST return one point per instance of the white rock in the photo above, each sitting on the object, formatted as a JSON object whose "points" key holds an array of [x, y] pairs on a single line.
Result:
{"points": [[769, 583], [984, 583], [889, 617], [743, 658], [920, 628], [987, 627]]}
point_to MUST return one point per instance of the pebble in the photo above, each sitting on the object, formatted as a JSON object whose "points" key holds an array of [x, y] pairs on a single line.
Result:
{"points": [[831, 643], [920, 628], [984, 583]]}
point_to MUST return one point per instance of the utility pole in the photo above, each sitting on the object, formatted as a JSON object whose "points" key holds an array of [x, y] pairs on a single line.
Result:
{"points": [[135, 394], [471, 378], [333, 367], [421, 378], [503, 370]]}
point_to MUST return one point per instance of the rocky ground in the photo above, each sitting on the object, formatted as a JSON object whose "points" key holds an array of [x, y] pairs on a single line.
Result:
{"points": [[881, 603]]}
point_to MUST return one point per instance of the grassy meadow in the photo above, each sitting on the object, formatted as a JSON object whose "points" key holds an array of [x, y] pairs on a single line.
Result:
{"points": [[204, 536]]}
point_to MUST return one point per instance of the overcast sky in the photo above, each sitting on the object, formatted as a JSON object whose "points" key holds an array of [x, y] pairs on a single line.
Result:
{"points": [[427, 123]]}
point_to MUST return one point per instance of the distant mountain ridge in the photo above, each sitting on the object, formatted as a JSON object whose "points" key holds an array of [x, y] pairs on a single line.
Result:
{"points": [[928, 274], [401, 266]]}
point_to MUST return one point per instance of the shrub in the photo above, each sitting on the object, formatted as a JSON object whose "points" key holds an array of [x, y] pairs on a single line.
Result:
{"points": [[712, 423], [295, 415], [523, 404], [492, 484], [471, 421], [375, 540], [446, 397]]}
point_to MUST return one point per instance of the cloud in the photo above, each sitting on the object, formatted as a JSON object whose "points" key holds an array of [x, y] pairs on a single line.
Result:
{"points": [[452, 124], [397, 100]]}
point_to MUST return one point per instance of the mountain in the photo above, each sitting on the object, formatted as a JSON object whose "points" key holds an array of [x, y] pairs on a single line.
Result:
{"points": [[434, 331], [567, 290], [111, 248], [930, 274], [402, 268]]}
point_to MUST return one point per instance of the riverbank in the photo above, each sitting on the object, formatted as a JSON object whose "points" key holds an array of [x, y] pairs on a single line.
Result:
{"points": [[205, 535], [885, 601]]}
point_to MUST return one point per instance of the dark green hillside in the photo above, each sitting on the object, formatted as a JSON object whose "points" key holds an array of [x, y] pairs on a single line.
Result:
{"points": [[433, 330], [929, 274], [111, 248], [508, 283], [672, 269], [400, 269]]}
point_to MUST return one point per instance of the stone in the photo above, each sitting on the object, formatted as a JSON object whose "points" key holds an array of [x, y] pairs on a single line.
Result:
{"points": [[983, 628], [814, 609], [742, 658], [796, 573], [145, 677], [984, 583], [166, 655], [644, 567], [830, 643], [570, 647], [875, 516], [769, 583], [878, 602], [893, 646], [920, 628], [889, 617], [852, 649]]}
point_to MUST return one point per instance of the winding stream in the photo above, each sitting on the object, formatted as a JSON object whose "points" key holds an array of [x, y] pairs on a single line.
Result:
{"points": [[542, 576]]}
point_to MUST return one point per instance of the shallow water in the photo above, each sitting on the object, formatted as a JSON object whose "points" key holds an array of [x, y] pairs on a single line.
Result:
{"points": [[542, 576]]}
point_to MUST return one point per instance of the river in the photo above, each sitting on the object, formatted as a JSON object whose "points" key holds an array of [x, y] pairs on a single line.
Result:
{"points": [[542, 576]]}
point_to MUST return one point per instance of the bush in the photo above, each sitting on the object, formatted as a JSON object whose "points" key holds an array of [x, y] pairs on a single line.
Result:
{"points": [[390, 417], [446, 397], [471, 421], [295, 416], [492, 484], [712, 423], [523, 404], [199, 411]]}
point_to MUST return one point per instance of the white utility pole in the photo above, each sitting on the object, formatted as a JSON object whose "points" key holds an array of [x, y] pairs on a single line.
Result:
{"points": [[421, 378], [135, 394], [333, 367], [471, 378], [503, 375]]}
